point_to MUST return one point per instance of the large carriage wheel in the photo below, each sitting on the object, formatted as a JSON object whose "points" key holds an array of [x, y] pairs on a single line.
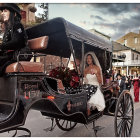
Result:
{"points": [[65, 125], [124, 115]]}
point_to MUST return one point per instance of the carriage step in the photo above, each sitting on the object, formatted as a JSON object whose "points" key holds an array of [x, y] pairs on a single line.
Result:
{"points": [[97, 128], [52, 125], [3, 116], [49, 129]]}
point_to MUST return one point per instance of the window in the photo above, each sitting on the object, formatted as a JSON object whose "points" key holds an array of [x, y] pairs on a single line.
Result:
{"points": [[137, 57], [132, 56], [125, 42], [136, 40]]}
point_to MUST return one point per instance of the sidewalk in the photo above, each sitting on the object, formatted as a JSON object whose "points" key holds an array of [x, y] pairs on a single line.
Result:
{"points": [[136, 105]]}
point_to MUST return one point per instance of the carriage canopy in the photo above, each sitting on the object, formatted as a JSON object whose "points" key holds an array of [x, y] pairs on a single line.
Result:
{"points": [[59, 30]]}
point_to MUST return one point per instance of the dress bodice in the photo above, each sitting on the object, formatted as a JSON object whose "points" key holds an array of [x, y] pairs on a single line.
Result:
{"points": [[136, 82], [92, 79]]}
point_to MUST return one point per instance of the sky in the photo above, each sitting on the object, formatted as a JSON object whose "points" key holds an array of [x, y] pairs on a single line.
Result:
{"points": [[112, 19]]}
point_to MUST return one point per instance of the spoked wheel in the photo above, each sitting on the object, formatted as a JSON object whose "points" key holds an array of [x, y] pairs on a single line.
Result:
{"points": [[65, 125], [124, 115]]}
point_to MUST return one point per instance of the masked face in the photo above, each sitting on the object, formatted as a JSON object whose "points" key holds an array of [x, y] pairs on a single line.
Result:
{"points": [[5, 14]]}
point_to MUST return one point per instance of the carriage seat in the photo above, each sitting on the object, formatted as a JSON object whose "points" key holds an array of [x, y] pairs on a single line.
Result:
{"points": [[24, 66], [35, 45]]}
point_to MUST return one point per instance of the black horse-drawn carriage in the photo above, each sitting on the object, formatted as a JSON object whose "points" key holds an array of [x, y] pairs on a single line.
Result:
{"points": [[29, 85]]}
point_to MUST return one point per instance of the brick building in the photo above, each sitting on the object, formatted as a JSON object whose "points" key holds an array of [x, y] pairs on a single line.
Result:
{"points": [[28, 13], [131, 40]]}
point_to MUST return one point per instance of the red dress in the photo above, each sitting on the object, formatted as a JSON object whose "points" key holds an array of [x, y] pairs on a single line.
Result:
{"points": [[136, 89]]}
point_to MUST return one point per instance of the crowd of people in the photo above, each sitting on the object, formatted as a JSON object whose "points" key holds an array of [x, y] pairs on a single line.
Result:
{"points": [[128, 82]]}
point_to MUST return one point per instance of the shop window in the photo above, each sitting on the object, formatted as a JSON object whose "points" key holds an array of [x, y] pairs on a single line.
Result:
{"points": [[137, 57], [132, 56]]}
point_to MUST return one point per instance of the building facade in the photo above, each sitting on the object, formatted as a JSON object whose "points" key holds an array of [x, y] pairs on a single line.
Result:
{"points": [[130, 60], [131, 40], [28, 13]]}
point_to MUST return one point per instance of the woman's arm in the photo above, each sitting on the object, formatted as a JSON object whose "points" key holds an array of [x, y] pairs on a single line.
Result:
{"points": [[98, 75], [85, 79]]}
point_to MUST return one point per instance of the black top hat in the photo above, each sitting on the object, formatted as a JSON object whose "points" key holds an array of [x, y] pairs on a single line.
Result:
{"points": [[11, 7], [119, 75]]}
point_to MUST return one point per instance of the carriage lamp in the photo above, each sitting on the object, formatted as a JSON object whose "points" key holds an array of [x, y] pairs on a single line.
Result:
{"points": [[50, 97]]}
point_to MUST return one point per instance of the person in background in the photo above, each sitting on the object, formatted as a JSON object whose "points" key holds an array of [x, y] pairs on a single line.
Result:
{"points": [[131, 80], [121, 83], [14, 39], [128, 83], [115, 75], [136, 85], [123, 77]]}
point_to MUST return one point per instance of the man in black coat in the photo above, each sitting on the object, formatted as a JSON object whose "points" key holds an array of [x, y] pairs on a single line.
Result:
{"points": [[121, 83]]}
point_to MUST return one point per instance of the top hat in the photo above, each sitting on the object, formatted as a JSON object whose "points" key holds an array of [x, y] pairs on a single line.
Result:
{"points": [[11, 7]]}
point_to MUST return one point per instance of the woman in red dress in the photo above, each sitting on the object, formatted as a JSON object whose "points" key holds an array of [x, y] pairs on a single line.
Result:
{"points": [[136, 87]]}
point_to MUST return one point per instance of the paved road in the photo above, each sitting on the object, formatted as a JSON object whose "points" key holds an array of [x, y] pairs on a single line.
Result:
{"points": [[80, 130], [38, 124]]}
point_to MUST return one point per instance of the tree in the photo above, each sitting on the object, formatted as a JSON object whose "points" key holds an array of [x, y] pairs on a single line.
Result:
{"points": [[44, 15]]}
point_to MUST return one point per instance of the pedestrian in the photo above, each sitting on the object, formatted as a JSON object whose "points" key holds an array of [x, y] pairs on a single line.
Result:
{"points": [[115, 75], [128, 83], [121, 83], [123, 77], [14, 39], [136, 84], [131, 80]]}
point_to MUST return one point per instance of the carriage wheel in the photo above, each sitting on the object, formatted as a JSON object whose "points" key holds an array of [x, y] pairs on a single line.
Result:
{"points": [[65, 125], [124, 115]]}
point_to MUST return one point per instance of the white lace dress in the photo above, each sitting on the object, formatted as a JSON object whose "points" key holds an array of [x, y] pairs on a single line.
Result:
{"points": [[97, 100]]}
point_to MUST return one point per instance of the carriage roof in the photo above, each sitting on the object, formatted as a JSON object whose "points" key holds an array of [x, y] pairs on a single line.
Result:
{"points": [[59, 30]]}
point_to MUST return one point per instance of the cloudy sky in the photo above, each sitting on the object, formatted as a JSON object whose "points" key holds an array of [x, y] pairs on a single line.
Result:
{"points": [[112, 19]]}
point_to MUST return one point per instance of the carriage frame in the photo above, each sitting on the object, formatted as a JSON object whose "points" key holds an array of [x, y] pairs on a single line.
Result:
{"points": [[22, 91]]}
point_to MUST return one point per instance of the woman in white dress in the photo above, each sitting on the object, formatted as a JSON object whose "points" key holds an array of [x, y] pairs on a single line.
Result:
{"points": [[92, 76]]}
